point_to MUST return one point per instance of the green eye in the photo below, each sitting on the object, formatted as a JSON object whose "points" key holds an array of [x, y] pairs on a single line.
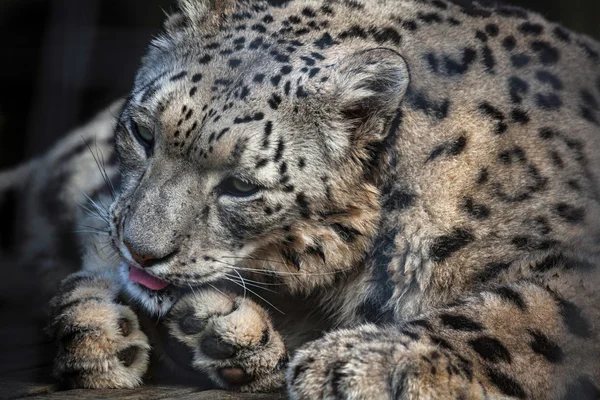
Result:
{"points": [[144, 135], [238, 188]]}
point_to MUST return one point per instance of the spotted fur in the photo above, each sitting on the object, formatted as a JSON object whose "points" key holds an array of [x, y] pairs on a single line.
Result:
{"points": [[426, 192]]}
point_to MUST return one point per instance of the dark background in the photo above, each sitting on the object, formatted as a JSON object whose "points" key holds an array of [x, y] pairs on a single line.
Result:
{"points": [[63, 60]]}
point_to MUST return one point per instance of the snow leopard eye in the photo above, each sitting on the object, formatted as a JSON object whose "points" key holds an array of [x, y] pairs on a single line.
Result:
{"points": [[238, 188], [144, 135]]}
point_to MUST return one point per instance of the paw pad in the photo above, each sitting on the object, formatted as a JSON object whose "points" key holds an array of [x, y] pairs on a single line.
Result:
{"points": [[215, 348], [191, 325], [127, 356], [235, 376], [125, 327]]}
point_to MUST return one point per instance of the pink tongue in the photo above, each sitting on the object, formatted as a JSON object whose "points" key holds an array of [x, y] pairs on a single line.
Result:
{"points": [[140, 276]]}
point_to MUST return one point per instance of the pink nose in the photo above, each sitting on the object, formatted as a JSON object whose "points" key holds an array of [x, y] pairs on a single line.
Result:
{"points": [[142, 260]]}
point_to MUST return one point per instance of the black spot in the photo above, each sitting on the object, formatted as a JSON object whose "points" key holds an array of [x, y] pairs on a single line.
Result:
{"points": [[410, 25], [482, 176], [354, 31], [530, 244], [511, 295], [249, 118], [451, 148], [520, 60], [496, 115], [440, 342], [510, 11], [509, 43], [491, 271], [519, 116], [279, 151], [347, 233], [529, 28], [472, 9], [547, 54], [193, 91], [258, 78], [313, 72], [518, 88], [383, 35], [433, 62], [325, 41], [274, 101], [547, 133], [255, 44], [492, 29], [444, 246], [561, 34], [460, 323], [571, 315], [545, 347], [458, 68], [260, 28], [419, 101], [178, 76], [549, 78], [488, 59], [275, 80], [589, 99], [591, 53], [506, 384], [582, 388], [481, 36], [300, 92], [398, 200], [477, 211], [422, 323], [429, 18], [571, 214], [205, 59], [308, 12], [588, 115], [548, 101], [261, 163], [439, 4], [490, 349]]}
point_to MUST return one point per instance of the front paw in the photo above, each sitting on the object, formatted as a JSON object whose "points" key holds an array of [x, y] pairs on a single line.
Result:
{"points": [[372, 363], [100, 344], [231, 339]]}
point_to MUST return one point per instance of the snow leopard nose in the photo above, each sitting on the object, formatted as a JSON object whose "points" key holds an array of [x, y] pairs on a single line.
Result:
{"points": [[147, 260]]}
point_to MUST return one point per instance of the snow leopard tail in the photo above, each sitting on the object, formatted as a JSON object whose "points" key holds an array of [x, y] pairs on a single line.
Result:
{"points": [[15, 178]]}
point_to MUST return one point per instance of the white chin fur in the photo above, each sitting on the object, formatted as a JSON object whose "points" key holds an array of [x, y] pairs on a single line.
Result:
{"points": [[153, 302]]}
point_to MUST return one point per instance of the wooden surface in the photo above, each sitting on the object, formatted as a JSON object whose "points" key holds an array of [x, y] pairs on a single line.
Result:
{"points": [[20, 390]]}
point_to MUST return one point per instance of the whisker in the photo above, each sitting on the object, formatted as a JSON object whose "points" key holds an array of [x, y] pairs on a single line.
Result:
{"points": [[252, 284], [102, 171], [255, 259], [92, 232], [112, 188], [243, 283], [257, 295], [223, 293], [271, 272]]}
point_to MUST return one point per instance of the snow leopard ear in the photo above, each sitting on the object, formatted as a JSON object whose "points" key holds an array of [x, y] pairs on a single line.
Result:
{"points": [[203, 15], [367, 88]]}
